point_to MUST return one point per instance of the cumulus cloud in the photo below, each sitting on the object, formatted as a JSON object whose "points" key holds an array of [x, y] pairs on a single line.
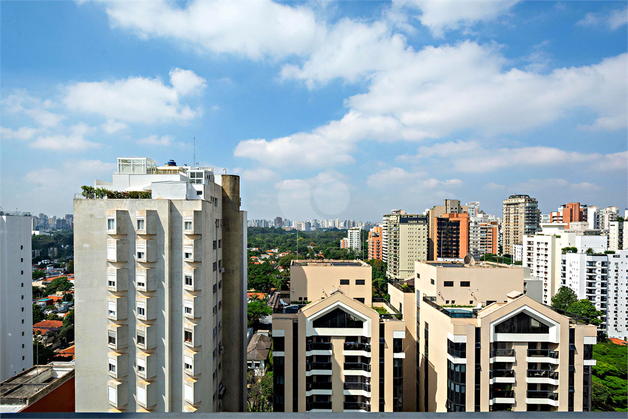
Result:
{"points": [[137, 99], [74, 141], [444, 15], [613, 19], [20, 102], [396, 176], [254, 29], [112, 126], [260, 174], [24, 133], [164, 140]]}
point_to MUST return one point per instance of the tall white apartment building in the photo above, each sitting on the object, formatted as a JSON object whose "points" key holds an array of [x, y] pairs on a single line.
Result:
{"points": [[405, 241], [606, 215], [16, 306], [354, 239], [542, 253], [521, 217], [592, 213], [483, 238], [160, 281], [473, 209], [617, 309], [616, 238]]}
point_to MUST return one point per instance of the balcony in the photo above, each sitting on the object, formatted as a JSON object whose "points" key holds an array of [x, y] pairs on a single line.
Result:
{"points": [[355, 346], [313, 385], [357, 386], [311, 366], [542, 355], [502, 355], [542, 397], [356, 366], [501, 376], [502, 397], [542, 377], [318, 346], [359, 406], [318, 406]]}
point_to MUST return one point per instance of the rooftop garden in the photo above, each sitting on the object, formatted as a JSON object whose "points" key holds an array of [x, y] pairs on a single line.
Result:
{"points": [[89, 192]]}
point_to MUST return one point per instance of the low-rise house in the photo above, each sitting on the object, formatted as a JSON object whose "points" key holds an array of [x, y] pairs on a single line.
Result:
{"points": [[46, 326], [257, 353]]}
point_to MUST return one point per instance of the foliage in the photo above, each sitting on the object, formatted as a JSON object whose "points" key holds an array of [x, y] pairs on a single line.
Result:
{"points": [[41, 353], [59, 284], [62, 240], [38, 292], [38, 274], [52, 316], [69, 267], [255, 310], [610, 377], [263, 277], [590, 251], [68, 320], [585, 308], [489, 257], [90, 192], [378, 277], [569, 250], [38, 314], [260, 392], [564, 298]]}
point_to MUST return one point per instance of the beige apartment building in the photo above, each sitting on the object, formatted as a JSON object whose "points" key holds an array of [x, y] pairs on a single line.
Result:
{"points": [[337, 353], [521, 216], [405, 240], [158, 281], [504, 351]]}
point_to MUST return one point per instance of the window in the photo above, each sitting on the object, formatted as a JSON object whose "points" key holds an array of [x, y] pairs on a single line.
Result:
{"points": [[112, 365], [140, 255], [188, 280], [188, 307], [112, 394], [338, 318], [141, 281], [215, 244], [187, 225], [111, 224], [215, 288], [219, 244], [360, 300], [141, 309], [141, 365], [141, 224], [214, 266], [188, 255], [465, 283], [432, 281], [187, 363], [111, 280], [220, 284], [141, 395], [141, 339], [360, 282], [448, 283], [215, 310], [521, 323], [111, 309], [344, 282], [111, 338], [111, 252], [188, 393], [187, 336]]}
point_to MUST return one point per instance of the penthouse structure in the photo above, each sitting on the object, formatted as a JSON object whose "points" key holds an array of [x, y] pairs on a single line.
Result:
{"points": [[160, 275], [337, 353], [567, 213], [505, 352]]}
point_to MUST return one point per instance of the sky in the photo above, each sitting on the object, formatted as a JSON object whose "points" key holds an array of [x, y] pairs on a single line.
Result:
{"points": [[325, 109]]}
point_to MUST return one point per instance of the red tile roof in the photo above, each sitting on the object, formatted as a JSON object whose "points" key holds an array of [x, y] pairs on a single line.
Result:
{"points": [[67, 352], [259, 295], [47, 325], [618, 341]]}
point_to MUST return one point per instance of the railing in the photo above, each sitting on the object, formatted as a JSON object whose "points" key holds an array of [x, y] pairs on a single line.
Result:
{"points": [[357, 386], [318, 405], [502, 352], [501, 373], [356, 366], [356, 346], [357, 406], [313, 385], [318, 366], [541, 394], [456, 353], [543, 374], [398, 348], [507, 394], [543, 352], [318, 346]]}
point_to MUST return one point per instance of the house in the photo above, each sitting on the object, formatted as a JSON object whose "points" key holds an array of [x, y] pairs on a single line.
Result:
{"points": [[251, 295], [257, 353], [43, 302], [46, 326], [67, 353]]}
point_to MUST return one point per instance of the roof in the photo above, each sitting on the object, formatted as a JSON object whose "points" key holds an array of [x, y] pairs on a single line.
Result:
{"points": [[48, 324], [258, 347], [36, 382], [618, 341], [67, 352], [260, 295]]}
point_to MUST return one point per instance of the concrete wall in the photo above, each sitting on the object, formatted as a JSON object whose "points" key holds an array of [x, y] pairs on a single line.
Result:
{"points": [[318, 280], [16, 309]]}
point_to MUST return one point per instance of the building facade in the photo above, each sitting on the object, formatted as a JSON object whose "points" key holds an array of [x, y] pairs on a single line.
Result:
{"points": [[337, 353], [375, 243], [16, 294], [616, 239], [450, 206], [158, 282], [405, 241], [567, 213], [452, 236], [521, 216], [617, 308]]}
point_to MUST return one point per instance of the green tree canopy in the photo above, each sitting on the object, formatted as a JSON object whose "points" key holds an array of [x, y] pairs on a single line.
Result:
{"points": [[563, 298], [38, 314], [255, 310], [38, 274], [59, 284], [585, 308]]}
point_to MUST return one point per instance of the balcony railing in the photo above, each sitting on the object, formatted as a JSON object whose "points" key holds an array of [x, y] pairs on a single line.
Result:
{"points": [[502, 374], [318, 366], [357, 386], [356, 366], [356, 346], [502, 352], [543, 353], [318, 346], [312, 385], [318, 405], [509, 394], [357, 406], [542, 394], [397, 348], [543, 374]]}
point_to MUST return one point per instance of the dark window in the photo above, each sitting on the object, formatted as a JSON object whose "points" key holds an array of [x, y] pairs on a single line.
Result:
{"points": [[279, 344], [215, 244], [465, 283], [360, 282], [338, 318], [448, 283], [432, 281], [457, 350], [521, 323], [360, 300], [344, 282]]}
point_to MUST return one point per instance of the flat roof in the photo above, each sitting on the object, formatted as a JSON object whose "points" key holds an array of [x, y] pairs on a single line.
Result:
{"points": [[311, 262], [477, 265], [34, 383]]}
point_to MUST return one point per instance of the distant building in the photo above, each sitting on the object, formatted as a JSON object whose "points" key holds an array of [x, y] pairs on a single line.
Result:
{"points": [[483, 238], [452, 236], [473, 209], [616, 235], [16, 307], [617, 307], [450, 206], [278, 222], [353, 240], [521, 217], [567, 213], [257, 353], [375, 243], [605, 216], [404, 241]]}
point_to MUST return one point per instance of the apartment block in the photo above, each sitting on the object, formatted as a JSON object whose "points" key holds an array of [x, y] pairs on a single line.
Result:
{"points": [[16, 307], [405, 240], [521, 217], [158, 281], [483, 238], [605, 216], [452, 236], [353, 240], [337, 354], [617, 307], [450, 206], [375, 243], [513, 355], [616, 240], [567, 213]]}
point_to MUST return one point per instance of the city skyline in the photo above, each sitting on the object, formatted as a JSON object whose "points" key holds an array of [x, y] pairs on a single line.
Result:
{"points": [[340, 111]]}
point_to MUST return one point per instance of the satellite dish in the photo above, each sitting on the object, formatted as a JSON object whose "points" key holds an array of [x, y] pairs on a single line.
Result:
{"points": [[469, 260]]}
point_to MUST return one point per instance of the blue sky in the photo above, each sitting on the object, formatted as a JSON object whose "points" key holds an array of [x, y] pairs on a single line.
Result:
{"points": [[327, 110]]}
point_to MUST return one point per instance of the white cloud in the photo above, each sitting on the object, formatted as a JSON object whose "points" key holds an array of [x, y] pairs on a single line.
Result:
{"points": [[112, 126], [444, 15], [255, 29], [471, 157], [72, 172], [259, 174], [74, 141], [395, 177], [164, 140], [137, 99], [613, 19], [21, 102], [24, 133]]}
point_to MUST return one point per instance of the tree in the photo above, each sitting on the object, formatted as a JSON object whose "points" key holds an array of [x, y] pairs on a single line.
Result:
{"points": [[38, 314], [563, 298], [587, 309], [255, 310], [69, 267], [41, 353], [68, 320], [610, 377], [38, 274], [260, 392], [52, 316], [59, 284]]}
